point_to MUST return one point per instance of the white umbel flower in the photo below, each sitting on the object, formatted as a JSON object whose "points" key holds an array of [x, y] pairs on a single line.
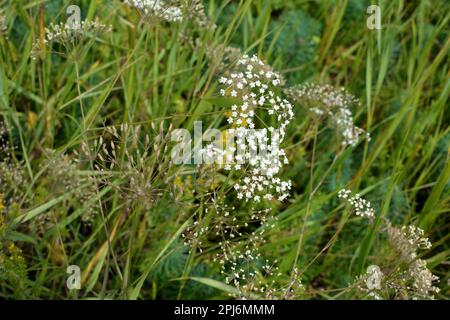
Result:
{"points": [[253, 84], [360, 206], [373, 277], [70, 35], [157, 8], [326, 101]]}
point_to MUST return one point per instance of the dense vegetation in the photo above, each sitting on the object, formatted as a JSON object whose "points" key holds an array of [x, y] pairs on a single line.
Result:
{"points": [[87, 176]]}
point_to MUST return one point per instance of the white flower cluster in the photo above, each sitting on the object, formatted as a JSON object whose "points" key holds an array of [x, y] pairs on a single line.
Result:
{"points": [[252, 83], [69, 35], [417, 282], [371, 282], [361, 206], [324, 100], [410, 279], [373, 277], [212, 154], [158, 9], [414, 235], [407, 240], [63, 33], [423, 284], [196, 12]]}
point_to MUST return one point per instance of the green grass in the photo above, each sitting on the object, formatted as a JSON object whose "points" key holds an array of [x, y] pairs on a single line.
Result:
{"points": [[129, 245]]}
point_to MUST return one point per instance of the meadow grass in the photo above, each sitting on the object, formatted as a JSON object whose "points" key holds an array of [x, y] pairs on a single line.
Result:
{"points": [[124, 223]]}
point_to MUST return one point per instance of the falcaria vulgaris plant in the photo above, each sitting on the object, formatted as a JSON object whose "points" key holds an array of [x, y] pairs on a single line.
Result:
{"points": [[257, 120], [320, 170], [404, 276]]}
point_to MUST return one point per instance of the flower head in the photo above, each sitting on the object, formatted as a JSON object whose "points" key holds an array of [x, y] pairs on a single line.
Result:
{"points": [[373, 277], [70, 35], [173, 11], [407, 240], [252, 84], [159, 9], [326, 101], [360, 206]]}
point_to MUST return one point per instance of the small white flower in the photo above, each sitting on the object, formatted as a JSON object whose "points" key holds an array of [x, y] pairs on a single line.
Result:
{"points": [[360, 206]]}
